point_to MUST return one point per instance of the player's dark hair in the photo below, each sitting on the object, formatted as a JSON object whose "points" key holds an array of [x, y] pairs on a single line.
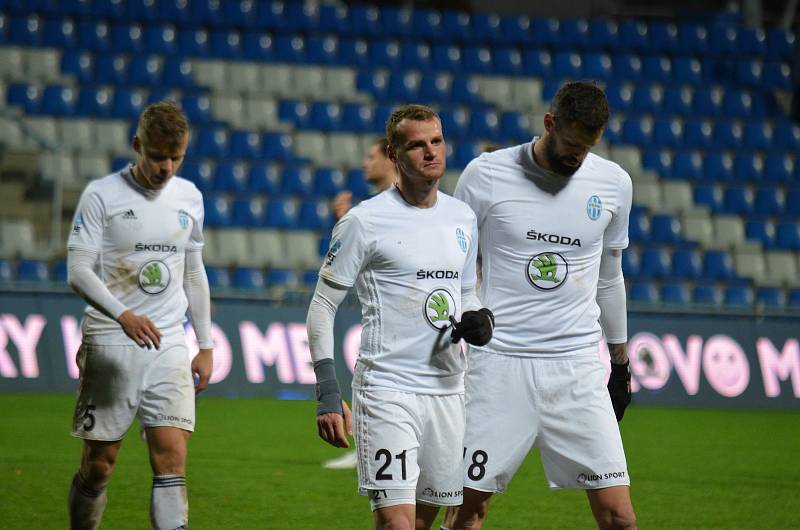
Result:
{"points": [[582, 103], [383, 145], [162, 123], [406, 112]]}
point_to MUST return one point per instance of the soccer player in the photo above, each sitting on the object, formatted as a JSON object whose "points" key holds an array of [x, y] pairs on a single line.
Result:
{"points": [[411, 252], [553, 221], [381, 173], [134, 255]]}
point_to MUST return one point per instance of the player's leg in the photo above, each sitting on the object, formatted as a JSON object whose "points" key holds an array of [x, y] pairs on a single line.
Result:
{"points": [[167, 413], [501, 428], [580, 444], [169, 503], [107, 400], [397, 517], [425, 515], [87, 494], [612, 508]]}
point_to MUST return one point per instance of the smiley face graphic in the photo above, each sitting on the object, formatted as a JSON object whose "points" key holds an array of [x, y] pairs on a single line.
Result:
{"points": [[725, 366]]}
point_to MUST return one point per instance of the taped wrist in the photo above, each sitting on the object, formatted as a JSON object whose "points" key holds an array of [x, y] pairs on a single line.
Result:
{"points": [[329, 399]]}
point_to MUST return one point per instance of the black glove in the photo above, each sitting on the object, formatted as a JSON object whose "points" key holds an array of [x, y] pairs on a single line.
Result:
{"points": [[619, 388], [475, 327]]}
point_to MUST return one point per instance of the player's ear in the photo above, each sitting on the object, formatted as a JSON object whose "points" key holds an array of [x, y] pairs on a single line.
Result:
{"points": [[549, 121], [391, 154], [136, 144]]}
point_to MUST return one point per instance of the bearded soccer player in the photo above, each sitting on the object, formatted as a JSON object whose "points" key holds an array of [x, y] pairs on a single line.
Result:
{"points": [[410, 251], [553, 221], [134, 255]]}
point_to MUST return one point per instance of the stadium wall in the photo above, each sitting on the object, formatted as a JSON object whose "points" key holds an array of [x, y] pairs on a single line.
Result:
{"points": [[739, 361]]}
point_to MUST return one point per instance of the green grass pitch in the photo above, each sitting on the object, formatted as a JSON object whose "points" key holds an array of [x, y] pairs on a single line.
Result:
{"points": [[255, 464]]}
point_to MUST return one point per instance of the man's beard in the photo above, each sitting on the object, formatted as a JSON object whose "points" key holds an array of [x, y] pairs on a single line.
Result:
{"points": [[556, 164]]}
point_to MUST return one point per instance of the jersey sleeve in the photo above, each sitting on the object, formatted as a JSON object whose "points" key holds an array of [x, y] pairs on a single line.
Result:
{"points": [[196, 240], [616, 234], [473, 188], [88, 223], [469, 278], [348, 251]]}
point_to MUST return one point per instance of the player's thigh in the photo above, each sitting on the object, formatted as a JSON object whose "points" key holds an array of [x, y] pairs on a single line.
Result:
{"points": [[108, 390], [387, 429], [168, 399], [580, 442], [441, 479], [502, 423]]}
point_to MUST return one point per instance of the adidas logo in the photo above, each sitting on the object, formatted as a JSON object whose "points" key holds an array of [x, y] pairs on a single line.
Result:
{"points": [[129, 215]]}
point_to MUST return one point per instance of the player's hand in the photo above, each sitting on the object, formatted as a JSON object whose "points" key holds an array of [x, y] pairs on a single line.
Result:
{"points": [[341, 203], [202, 364], [619, 388], [140, 329], [332, 426], [475, 327]]}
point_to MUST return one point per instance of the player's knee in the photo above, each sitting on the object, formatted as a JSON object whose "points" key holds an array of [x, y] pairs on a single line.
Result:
{"points": [[617, 518], [395, 522], [97, 464], [169, 461]]}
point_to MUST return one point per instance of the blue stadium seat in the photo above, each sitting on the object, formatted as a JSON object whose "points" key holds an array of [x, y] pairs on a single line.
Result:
{"points": [[777, 76], [263, 178], [396, 21], [771, 297], [212, 142], [200, 173], [567, 65], [218, 211], [434, 88], [328, 182], [546, 32], [709, 196], [686, 264], [58, 101], [127, 38], [638, 225], [79, 64], [258, 46], [620, 96], [717, 167], [356, 182], [787, 235], [477, 60], [248, 278], [677, 100], [757, 135], [738, 200], [375, 83], [294, 16], [656, 68], [218, 277], [780, 43], [665, 229], [597, 66], [290, 48], [648, 98], [231, 176], [793, 299], [687, 70], [25, 30], [663, 37], [739, 296], [707, 101], [769, 201], [515, 29], [110, 69], [537, 63], [244, 145], [95, 36], [277, 146], [718, 265], [748, 73], [145, 70], [747, 167], [58, 33], [297, 179], [427, 23], [226, 44], [761, 231], [353, 52], [631, 263], [627, 67], [356, 118], [465, 91], [248, 213], [707, 294], [507, 61], [643, 292], [515, 127], [752, 42], [727, 134], [779, 169], [281, 213], [604, 33], [574, 33], [485, 28], [654, 263], [162, 40], [282, 278], [36, 271], [658, 160], [675, 293], [416, 56], [484, 124], [315, 215], [634, 35], [463, 153], [403, 87], [792, 203], [738, 103], [58, 271], [127, 104], [310, 279], [687, 164], [111, 9], [321, 49], [364, 20], [668, 132], [194, 42], [386, 54], [294, 112], [637, 131]]}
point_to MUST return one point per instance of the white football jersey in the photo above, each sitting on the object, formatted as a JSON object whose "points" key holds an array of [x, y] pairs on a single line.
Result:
{"points": [[540, 252], [141, 236], [409, 265]]}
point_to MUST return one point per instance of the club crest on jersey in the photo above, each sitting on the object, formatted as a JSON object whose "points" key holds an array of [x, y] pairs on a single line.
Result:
{"points": [[462, 240], [594, 207], [439, 307], [183, 219], [76, 228], [336, 246], [547, 271], [154, 277]]}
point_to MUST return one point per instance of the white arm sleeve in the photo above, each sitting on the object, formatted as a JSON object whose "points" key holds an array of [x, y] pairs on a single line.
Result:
{"points": [[611, 297], [82, 279], [198, 294], [469, 300], [321, 314]]}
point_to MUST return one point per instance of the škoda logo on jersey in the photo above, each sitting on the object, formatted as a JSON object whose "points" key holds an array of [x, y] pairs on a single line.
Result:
{"points": [[439, 306], [547, 271], [154, 277]]}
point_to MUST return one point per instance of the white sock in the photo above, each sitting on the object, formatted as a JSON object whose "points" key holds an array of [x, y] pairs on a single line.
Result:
{"points": [[86, 504], [169, 505]]}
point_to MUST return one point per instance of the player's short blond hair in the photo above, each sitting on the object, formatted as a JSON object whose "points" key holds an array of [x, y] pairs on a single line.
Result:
{"points": [[406, 112], [162, 123]]}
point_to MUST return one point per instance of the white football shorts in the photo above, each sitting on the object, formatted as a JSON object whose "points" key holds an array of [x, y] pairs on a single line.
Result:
{"points": [[558, 404], [410, 442], [119, 382]]}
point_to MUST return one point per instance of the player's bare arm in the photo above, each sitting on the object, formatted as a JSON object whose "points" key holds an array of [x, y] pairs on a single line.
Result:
{"points": [[202, 364]]}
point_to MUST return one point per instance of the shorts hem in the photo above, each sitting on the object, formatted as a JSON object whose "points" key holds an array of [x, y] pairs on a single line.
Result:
{"points": [[587, 488], [96, 438], [181, 426], [431, 503], [485, 490]]}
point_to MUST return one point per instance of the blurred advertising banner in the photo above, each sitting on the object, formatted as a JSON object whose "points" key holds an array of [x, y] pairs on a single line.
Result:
{"points": [[262, 350]]}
